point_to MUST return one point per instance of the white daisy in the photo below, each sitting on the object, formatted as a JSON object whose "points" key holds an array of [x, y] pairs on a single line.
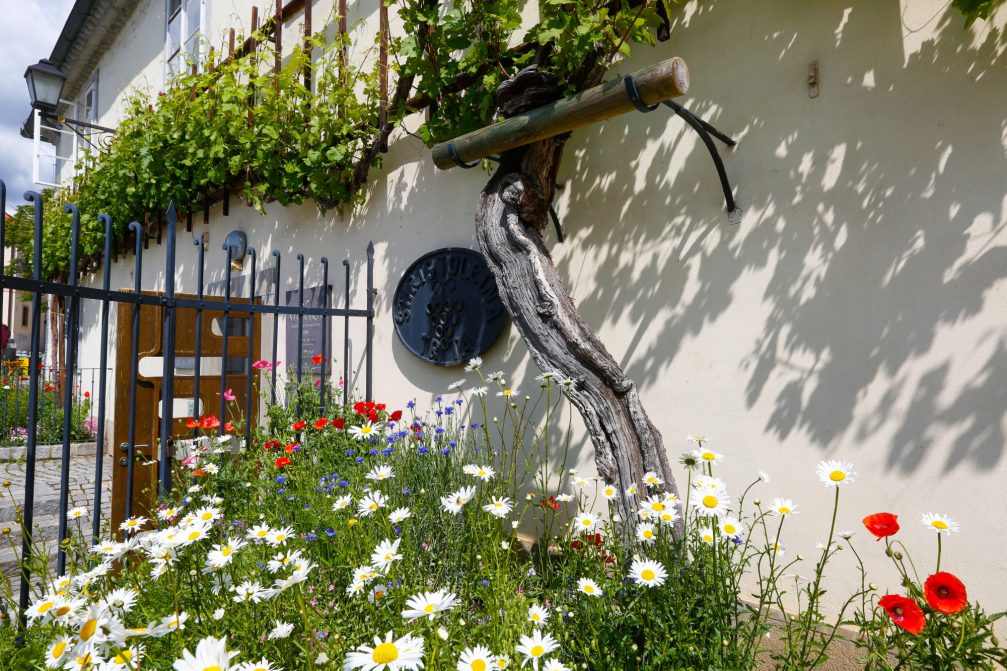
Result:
{"points": [[366, 431], [341, 502], [834, 473], [457, 500], [536, 646], [211, 653], [648, 573], [379, 473], [370, 503], [609, 492], [399, 514], [499, 507], [474, 363], [705, 456], [404, 654], [782, 507], [385, 553], [589, 587], [731, 527], [429, 604], [281, 630], [538, 615], [478, 658], [645, 533], [942, 524]]}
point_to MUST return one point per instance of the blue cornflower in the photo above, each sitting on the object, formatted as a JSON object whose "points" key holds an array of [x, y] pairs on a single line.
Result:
{"points": [[330, 532], [350, 452], [459, 401], [360, 460], [423, 449], [448, 410], [476, 425], [411, 404], [344, 483], [438, 412], [281, 479], [407, 491], [310, 537], [486, 583], [446, 451], [281, 490], [439, 400], [453, 443], [439, 430], [388, 451], [397, 530], [373, 453]]}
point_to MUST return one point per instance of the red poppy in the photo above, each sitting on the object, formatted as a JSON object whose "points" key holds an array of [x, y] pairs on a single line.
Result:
{"points": [[193, 423], [229, 427], [199, 472], [48, 388], [882, 524], [358, 407], [321, 422], [271, 444], [282, 461], [380, 406], [299, 425], [211, 422], [291, 448], [587, 540], [904, 612], [87, 394], [395, 416], [549, 503], [373, 417], [317, 359], [339, 423], [945, 593]]}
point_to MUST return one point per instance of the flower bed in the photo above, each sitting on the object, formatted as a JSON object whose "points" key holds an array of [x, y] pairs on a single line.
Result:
{"points": [[373, 539]]}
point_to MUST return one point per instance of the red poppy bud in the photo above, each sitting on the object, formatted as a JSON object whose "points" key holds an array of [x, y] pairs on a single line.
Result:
{"points": [[395, 416]]}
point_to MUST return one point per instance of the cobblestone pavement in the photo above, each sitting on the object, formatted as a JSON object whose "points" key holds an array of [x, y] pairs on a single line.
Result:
{"points": [[46, 520]]}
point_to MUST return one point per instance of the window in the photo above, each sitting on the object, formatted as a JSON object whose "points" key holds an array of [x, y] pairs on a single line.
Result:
{"points": [[24, 315], [186, 20]]}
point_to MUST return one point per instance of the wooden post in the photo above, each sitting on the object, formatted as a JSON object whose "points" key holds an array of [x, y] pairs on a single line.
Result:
{"points": [[278, 43], [251, 59], [383, 72], [665, 80], [307, 45], [230, 43]]}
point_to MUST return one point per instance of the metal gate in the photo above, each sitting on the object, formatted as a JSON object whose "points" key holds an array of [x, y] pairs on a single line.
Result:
{"points": [[183, 335]]}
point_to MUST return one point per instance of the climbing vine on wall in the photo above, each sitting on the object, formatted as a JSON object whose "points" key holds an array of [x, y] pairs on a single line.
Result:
{"points": [[240, 127]]}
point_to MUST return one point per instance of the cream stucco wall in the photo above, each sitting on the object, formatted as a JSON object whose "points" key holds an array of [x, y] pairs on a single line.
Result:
{"points": [[857, 311]]}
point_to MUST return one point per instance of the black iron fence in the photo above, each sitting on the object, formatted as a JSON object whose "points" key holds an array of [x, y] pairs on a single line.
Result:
{"points": [[44, 394]]}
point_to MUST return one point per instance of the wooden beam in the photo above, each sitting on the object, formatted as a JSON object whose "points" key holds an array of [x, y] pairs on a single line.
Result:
{"points": [[665, 80]]}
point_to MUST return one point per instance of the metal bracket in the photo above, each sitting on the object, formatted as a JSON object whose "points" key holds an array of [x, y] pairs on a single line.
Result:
{"points": [[704, 129]]}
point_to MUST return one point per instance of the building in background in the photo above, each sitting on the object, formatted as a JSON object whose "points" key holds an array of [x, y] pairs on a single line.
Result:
{"points": [[858, 310]]}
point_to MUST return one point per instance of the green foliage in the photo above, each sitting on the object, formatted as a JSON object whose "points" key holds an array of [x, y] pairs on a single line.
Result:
{"points": [[238, 126], [976, 9]]}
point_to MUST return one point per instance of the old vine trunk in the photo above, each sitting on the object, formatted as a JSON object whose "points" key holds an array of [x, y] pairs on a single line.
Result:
{"points": [[513, 211]]}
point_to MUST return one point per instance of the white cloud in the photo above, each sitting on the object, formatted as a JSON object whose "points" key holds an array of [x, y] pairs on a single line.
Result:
{"points": [[30, 29]]}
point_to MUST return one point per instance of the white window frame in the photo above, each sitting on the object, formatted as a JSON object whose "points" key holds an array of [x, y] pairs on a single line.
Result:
{"points": [[190, 27]]}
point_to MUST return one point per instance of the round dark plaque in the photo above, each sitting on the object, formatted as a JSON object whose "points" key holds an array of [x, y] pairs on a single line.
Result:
{"points": [[446, 307]]}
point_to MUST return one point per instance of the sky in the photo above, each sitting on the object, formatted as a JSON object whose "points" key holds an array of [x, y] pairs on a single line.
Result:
{"points": [[29, 31]]}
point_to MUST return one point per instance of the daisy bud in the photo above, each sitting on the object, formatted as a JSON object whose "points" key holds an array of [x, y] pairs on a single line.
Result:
{"points": [[193, 573], [758, 502], [873, 586], [442, 633], [322, 659], [479, 557], [5, 484], [898, 555], [514, 524], [800, 557], [617, 518], [5, 531]]}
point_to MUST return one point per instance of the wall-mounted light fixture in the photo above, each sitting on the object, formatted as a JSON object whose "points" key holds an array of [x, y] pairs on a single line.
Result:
{"points": [[238, 244]]}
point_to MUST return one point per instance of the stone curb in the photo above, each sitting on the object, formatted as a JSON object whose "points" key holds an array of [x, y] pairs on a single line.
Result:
{"points": [[47, 451]]}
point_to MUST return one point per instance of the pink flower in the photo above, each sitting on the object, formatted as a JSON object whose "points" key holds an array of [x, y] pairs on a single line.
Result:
{"points": [[228, 395], [262, 364]]}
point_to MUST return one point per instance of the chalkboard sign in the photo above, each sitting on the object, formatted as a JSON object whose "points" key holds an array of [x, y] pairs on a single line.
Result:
{"points": [[446, 307], [314, 297]]}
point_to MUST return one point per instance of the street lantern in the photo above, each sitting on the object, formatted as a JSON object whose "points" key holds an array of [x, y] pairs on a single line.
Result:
{"points": [[45, 84]]}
